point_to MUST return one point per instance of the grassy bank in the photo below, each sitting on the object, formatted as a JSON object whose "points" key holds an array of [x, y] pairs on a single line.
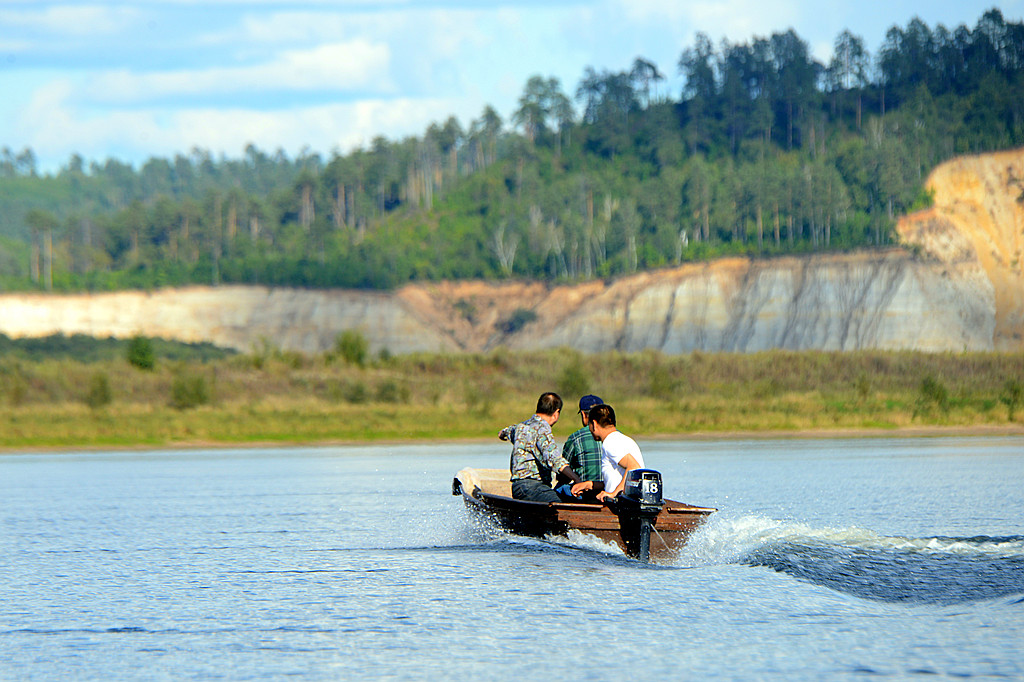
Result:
{"points": [[281, 397]]}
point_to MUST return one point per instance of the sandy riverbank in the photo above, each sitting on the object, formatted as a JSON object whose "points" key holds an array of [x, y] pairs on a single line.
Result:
{"points": [[980, 431]]}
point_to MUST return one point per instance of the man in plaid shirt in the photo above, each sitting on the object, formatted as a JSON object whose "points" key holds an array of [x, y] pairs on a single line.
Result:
{"points": [[581, 451]]}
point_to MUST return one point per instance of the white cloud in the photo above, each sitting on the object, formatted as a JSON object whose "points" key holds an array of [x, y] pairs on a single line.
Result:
{"points": [[451, 32], [283, 28], [301, 27], [10, 46], [272, 3], [332, 68], [52, 119], [735, 20], [67, 20], [425, 46]]}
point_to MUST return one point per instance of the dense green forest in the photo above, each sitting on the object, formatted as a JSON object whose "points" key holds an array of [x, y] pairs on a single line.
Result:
{"points": [[765, 151]]}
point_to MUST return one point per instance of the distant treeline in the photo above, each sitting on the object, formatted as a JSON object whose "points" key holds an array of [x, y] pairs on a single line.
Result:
{"points": [[766, 151]]}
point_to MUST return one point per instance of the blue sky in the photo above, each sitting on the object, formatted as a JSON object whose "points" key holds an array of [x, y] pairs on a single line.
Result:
{"points": [[132, 79]]}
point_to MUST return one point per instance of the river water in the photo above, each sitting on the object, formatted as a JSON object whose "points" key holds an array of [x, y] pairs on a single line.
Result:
{"points": [[831, 558]]}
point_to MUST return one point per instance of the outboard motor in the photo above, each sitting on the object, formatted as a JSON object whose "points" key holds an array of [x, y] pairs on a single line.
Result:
{"points": [[644, 486], [639, 504]]}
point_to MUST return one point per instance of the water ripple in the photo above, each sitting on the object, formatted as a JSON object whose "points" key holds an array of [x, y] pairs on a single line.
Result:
{"points": [[930, 570]]}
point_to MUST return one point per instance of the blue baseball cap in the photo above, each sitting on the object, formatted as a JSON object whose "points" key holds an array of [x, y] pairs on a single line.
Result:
{"points": [[589, 401]]}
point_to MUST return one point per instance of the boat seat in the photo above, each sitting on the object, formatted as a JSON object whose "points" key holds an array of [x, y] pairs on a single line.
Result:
{"points": [[490, 481]]}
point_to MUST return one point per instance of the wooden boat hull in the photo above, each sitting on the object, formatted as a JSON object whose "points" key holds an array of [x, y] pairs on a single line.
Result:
{"points": [[483, 496]]}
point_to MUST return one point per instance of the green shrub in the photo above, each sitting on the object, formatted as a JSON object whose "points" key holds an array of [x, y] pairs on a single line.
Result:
{"points": [[479, 398], [352, 346], [262, 351], [863, 386], [932, 393], [517, 320], [294, 359], [356, 393], [1013, 393], [574, 380], [17, 390], [99, 394], [140, 353], [189, 391], [391, 391], [467, 309], [765, 388]]}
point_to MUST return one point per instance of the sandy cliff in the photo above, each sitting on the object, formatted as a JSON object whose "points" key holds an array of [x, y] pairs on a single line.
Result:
{"points": [[978, 215], [238, 317], [963, 290]]}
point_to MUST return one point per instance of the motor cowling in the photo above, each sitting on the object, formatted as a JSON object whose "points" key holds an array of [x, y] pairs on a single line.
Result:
{"points": [[643, 487]]}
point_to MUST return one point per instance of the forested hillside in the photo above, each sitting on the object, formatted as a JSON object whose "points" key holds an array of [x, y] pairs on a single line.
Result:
{"points": [[765, 151]]}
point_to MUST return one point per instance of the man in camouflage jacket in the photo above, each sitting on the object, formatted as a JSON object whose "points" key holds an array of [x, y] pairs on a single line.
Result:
{"points": [[535, 455]]}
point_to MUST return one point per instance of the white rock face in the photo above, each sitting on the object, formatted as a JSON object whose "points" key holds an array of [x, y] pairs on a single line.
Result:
{"points": [[234, 317], [887, 301], [834, 303]]}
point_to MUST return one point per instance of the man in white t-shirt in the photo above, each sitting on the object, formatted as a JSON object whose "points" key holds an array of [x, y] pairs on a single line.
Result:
{"points": [[619, 454]]}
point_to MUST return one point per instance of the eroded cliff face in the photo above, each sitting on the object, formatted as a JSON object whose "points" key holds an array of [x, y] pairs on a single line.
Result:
{"points": [[964, 290], [859, 301], [978, 215], [237, 317]]}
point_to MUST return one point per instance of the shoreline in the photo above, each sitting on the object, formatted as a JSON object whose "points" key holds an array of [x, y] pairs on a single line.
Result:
{"points": [[705, 436]]}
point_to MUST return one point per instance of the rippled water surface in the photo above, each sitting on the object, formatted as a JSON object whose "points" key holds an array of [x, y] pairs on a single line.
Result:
{"points": [[839, 559]]}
